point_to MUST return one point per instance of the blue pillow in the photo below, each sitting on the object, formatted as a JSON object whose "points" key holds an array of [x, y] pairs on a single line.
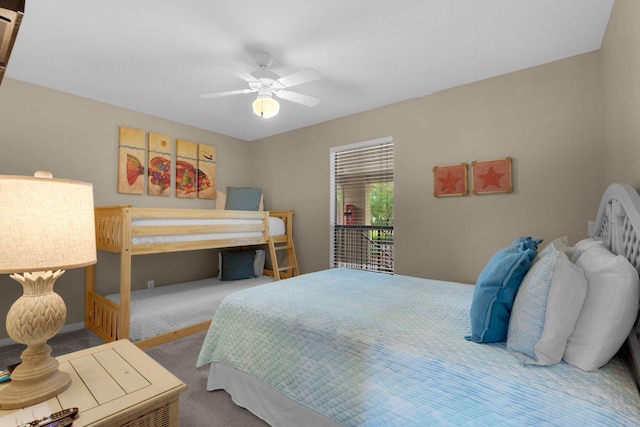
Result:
{"points": [[496, 290], [523, 243], [237, 265], [243, 199]]}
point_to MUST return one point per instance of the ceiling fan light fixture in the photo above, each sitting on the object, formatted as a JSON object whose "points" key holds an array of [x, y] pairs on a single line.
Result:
{"points": [[265, 107]]}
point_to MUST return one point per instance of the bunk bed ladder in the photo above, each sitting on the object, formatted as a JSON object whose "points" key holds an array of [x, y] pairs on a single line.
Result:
{"points": [[283, 243]]}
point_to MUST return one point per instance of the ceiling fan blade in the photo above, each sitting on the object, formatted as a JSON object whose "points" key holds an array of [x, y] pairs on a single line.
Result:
{"points": [[300, 77], [242, 74], [298, 98], [229, 92]]}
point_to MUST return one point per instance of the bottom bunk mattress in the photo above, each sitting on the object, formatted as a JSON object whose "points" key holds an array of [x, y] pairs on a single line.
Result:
{"points": [[164, 309], [363, 348]]}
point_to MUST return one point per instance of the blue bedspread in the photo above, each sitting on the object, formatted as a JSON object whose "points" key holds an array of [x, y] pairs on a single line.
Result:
{"points": [[369, 349]]}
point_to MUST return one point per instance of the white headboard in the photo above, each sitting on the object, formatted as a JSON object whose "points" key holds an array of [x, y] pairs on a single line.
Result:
{"points": [[618, 226]]}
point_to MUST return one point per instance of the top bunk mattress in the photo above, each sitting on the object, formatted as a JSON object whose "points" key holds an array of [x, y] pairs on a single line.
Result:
{"points": [[276, 228]]}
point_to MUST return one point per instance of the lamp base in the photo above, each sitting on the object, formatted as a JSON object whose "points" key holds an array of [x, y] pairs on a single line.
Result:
{"points": [[32, 320], [35, 380]]}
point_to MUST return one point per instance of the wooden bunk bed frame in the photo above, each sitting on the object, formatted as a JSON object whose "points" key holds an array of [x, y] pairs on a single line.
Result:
{"points": [[114, 232]]}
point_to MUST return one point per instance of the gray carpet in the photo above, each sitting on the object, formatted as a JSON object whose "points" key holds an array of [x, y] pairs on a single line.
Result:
{"points": [[198, 407]]}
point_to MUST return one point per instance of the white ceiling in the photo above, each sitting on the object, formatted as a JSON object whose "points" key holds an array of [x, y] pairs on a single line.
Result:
{"points": [[158, 56]]}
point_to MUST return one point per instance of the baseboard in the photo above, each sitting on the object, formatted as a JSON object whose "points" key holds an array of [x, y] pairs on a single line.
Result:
{"points": [[66, 328]]}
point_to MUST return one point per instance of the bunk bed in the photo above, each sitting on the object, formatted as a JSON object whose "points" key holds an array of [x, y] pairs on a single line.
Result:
{"points": [[130, 231]]}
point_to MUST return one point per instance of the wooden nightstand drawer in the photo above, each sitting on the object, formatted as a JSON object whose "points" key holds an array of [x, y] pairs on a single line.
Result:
{"points": [[117, 384]]}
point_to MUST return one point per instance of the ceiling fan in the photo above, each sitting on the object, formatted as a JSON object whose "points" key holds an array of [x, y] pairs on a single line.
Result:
{"points": [[267, 84]]}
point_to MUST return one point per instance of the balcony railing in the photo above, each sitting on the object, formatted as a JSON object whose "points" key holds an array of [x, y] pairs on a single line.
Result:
{"points": [[364, 247]]}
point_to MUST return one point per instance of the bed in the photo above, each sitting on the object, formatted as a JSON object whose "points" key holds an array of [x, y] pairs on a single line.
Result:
{"points": [[130, 231], [184, 304], [346, 347]]}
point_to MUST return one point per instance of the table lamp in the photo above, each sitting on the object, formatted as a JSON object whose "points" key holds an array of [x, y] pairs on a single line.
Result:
{"points": [[46, 226]]}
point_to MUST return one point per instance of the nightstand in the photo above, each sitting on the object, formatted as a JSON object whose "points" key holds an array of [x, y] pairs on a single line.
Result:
{"points": [[117, 384]]}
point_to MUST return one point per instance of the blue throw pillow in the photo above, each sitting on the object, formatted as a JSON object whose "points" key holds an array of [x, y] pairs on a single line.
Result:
{"points": [[243, 199], [496, 290], [237, 265]]}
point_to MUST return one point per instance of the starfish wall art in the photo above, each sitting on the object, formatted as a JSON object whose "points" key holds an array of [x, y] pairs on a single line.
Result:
{"points": [[487, 177], [492, 176], [450, 180]]}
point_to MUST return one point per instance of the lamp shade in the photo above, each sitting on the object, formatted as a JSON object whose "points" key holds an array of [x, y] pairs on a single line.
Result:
{"points": [[45, 224], [265, 106]]}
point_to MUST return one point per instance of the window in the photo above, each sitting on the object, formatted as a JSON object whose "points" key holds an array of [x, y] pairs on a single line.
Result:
{"points": [[362, 206]]}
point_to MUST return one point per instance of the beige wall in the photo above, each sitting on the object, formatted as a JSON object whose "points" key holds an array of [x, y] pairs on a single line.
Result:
{"points": [[76, 138], [548, 118], [621, 70]]}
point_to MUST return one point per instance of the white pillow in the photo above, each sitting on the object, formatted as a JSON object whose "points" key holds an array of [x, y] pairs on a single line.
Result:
{"points": [[221, 200], [583, 245], [609, 310], [258, 262], [546, 308]]}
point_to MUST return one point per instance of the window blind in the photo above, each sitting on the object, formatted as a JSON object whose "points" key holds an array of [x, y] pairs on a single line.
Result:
{"points": [[362, 206]]}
